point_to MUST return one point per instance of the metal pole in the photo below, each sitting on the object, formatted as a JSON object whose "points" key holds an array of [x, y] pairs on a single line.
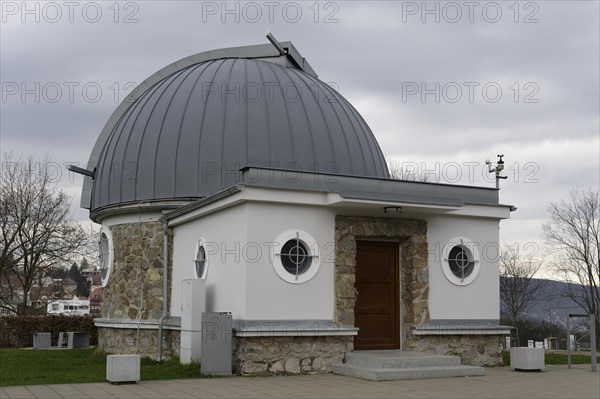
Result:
{"points": [[161, 322], [569, 341], [593, 341]]}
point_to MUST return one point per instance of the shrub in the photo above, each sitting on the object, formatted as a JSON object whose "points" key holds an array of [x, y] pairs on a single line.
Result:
{"points": [[17, 331]]}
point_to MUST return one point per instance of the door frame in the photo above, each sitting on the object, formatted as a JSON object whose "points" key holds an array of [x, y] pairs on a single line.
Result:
{"points": [[414, 266]]}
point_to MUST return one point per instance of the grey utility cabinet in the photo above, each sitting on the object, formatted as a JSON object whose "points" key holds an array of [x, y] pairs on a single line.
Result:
{"points": [[215, 353]]}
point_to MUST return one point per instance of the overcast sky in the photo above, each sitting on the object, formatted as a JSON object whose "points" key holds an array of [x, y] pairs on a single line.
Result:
{"points": [[443, 85]]}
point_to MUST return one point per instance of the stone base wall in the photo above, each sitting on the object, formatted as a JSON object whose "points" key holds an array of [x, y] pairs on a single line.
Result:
{"points": [[474, 350], [293, 355], [143, 342]]}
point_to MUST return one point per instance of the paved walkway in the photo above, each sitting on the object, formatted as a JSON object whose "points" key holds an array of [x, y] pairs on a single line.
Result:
{"points": [[555, 382]]}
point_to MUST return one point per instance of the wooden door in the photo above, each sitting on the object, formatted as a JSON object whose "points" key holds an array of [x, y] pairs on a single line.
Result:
{"points": [[378, 287]]}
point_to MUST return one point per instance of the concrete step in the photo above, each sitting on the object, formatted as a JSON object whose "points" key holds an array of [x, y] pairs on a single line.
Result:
{"points": [[384, 359], [388, 374], [385, 365]]}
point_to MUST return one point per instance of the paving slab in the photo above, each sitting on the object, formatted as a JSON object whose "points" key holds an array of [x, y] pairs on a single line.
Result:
{"points": [[500, 382]]}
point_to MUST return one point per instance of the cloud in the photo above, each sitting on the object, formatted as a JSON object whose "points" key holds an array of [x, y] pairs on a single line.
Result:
{"points": [[546, 119]]}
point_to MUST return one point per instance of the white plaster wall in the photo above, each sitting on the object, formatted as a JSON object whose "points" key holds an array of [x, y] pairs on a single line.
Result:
{"points": [[268, 295], [224, 232], [481, 298]]}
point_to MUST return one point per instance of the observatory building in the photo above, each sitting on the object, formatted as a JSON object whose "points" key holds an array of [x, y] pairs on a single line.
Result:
{"points": [[236, 181]]}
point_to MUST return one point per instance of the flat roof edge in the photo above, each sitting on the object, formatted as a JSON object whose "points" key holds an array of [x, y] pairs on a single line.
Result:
{"points": [[375, 188]]}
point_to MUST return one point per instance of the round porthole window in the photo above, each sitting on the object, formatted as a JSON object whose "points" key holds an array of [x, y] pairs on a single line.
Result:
{"points": [[460, 261], [200, 261], [295, 256], [105, 255]]}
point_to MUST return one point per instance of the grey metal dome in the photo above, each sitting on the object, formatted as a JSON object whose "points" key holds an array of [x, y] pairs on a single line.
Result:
{"points": [[188, 133]]}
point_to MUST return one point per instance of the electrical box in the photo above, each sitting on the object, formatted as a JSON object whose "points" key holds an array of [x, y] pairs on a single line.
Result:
{"points": [[216, 343], [193, 304]]}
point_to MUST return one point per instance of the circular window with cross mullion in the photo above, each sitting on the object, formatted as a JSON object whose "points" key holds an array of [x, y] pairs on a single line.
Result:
{"points": [[295, 256], [460, 261]]}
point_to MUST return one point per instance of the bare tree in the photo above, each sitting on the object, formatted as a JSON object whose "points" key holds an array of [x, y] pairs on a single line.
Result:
{"points": [[38, 232], [519, 290], [398, 172], [574, 231]]}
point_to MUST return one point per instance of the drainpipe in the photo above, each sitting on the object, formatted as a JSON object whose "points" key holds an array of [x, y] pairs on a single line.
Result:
{"points": [[165, 286]]}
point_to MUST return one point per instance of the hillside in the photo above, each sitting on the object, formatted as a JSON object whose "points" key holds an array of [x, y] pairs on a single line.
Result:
{"points": [[554, 307]]}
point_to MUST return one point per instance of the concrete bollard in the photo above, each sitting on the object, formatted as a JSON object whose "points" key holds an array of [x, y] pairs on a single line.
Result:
{"points": [[525, 359], [123, 368]]}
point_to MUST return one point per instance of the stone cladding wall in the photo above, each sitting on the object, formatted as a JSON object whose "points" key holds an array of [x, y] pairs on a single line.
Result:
{"points": [[292, 355]]}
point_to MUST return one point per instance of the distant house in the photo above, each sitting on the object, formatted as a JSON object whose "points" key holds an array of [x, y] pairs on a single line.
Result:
{"points": [[39, 296], [6, 312], [46, 281], [69, 286], [96, 280], [90, 273], [72, 307], [96, 301]]}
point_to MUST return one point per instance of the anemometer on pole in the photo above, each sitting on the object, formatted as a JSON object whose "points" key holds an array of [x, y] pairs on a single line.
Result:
{"points": [[497, 170]]}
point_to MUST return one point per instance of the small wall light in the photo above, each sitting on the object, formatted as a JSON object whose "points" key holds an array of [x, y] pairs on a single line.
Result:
{"points": [[392, 209]]}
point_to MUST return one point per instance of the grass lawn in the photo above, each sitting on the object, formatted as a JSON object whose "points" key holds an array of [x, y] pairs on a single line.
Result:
{"points": [[31, 367], [556, 358]]}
